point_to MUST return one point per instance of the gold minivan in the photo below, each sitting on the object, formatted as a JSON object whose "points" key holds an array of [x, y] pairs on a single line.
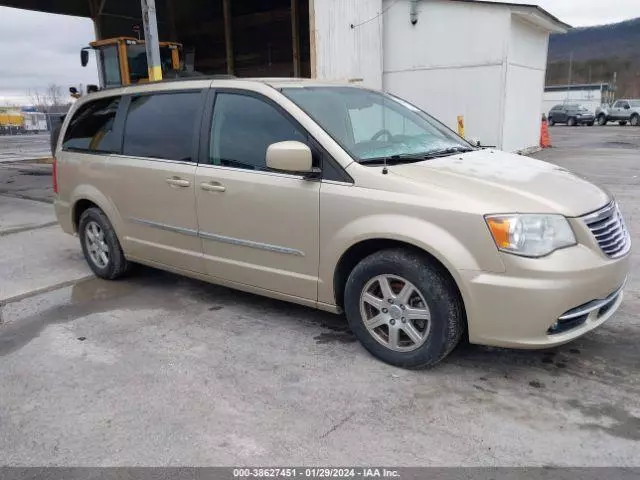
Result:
{"points": [[344, 199]]}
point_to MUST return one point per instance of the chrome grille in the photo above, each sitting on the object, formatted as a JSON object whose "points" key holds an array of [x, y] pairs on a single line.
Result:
{"points": [[609, 230]]}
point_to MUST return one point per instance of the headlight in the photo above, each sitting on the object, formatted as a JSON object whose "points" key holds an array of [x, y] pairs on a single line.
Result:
{"points": [[530, 235]]}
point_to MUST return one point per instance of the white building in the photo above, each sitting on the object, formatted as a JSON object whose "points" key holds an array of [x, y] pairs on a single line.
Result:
{"points": [[35, 122], [483, 60], [590, 96]]}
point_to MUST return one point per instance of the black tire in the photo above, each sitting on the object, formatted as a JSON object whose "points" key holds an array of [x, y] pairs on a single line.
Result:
{"points": [[635, 120], [447, 322], [572, 122], [590, 124], [622, 123], [602, 120], [117, 264], [551, 122]]}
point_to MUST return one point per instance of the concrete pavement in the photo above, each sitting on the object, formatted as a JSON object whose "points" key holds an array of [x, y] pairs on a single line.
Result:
{"points": [[23, 147], [158, 369]]}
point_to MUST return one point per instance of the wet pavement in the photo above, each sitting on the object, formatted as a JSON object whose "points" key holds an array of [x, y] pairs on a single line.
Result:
{"points": [[20, 147], [158, 369]]}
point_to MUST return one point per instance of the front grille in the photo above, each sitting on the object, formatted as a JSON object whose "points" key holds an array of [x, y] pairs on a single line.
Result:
{"points": [[607, 226]]}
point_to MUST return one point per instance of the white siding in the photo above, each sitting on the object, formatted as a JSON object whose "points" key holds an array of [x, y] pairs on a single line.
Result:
{"points": [[448, 34], [450, 62], [345, 53], [525, 78], [447, 93], [523, 115], [483, 61], [591, 99]]}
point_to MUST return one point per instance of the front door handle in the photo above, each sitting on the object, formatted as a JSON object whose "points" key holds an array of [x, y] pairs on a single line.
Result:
{"points": [[212, 187], [178, 182]]}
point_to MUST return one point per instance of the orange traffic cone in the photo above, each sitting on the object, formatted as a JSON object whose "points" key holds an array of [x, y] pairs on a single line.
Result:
{"points": [[545, 139]]}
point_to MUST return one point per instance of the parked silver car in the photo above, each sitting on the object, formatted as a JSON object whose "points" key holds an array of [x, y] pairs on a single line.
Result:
{"points": [[622, 111]]}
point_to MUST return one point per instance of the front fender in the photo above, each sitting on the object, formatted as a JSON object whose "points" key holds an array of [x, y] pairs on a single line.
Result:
{"points": [[420, 233]]}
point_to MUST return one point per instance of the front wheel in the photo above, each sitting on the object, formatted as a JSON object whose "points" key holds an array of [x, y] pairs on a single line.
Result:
{"points": [[403, 308], [635, 120], [100, 245], [602, 120], [572, 122]]}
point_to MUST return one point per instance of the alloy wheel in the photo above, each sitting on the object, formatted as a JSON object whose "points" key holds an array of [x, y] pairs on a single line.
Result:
{"points": [[395, 313], [96, 245]]}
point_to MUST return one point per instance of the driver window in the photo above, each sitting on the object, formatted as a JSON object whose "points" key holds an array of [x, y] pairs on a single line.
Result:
{"points": [[243, 127], [376, 123]]}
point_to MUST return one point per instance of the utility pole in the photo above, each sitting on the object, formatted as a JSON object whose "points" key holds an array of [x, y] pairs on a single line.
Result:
{"points": [[570, 74], [151, 39]]}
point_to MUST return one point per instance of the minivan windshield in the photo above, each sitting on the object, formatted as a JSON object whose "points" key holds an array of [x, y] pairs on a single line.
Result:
{"points": [[374, 127]]}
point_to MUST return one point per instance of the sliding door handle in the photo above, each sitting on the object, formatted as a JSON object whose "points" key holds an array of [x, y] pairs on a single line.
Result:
{"points": [[178, 182], [212, 187]]}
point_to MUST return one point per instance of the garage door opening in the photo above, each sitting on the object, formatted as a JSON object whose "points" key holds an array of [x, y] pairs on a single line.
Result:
{"points": [[263, 37]]}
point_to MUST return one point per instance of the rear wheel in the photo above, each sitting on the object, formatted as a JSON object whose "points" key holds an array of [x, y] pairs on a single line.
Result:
{"points": [[551, 122], [602, 120], [100, 245], [403, 308], [572, 122], [635, 120]]}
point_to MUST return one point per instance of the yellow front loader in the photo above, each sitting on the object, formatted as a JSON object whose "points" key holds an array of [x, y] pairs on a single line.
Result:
{"points": [[123, 60]]}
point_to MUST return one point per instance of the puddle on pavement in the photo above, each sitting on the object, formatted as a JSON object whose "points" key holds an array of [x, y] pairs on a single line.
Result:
{"points": [[621, 423], [25, 319], [149, 288]]}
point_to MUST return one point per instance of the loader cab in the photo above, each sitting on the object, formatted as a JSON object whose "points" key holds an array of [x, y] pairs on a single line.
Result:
{"points": [[123, 61]]}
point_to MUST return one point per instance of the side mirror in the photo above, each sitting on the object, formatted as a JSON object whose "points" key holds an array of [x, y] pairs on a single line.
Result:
{"points": [[289, 156], [84, 57], [627, 107]]}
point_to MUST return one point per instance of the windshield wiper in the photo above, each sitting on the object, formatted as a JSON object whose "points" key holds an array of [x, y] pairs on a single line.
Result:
{"points": [[414, 157], [447, 151], [395, 159]]}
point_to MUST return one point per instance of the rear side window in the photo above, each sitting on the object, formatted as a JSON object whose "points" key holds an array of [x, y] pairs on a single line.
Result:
{"points": [[91, 128], [162, 126]]}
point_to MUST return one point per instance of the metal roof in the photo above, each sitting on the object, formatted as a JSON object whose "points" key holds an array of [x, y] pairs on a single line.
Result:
{"points": [[81, 8], [604, 87], [529, 6]]}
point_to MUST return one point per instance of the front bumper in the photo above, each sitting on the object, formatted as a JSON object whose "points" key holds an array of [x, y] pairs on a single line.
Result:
{"points": [[520, 308]]}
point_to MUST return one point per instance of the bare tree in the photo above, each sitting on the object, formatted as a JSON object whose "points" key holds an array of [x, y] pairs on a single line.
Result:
{"points": [[54, 95], [37, 100], [51, 97]]}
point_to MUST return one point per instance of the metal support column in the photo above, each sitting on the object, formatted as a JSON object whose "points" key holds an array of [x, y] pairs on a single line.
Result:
{"points": [[295, 38], [228, 36], [151, 39]]}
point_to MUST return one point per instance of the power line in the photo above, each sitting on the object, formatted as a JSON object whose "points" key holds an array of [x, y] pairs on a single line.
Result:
{"points": [[377, 16]]}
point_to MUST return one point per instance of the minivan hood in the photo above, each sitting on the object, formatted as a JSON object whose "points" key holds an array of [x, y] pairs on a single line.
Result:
{"points": [[509, 183]]}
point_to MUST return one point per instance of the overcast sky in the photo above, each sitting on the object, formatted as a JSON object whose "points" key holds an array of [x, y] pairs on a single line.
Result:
{"points": [[37, 49]]}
